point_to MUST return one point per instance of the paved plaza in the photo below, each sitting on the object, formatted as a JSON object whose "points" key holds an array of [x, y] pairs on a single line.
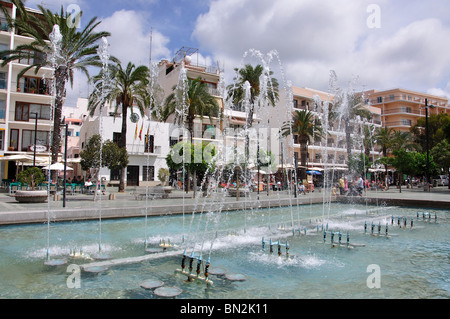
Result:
{"points": [[128, 204]]}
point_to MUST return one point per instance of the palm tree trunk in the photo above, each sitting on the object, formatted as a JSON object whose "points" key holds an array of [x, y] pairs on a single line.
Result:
{"points": [[303, 158], [348, 140], [60, 80], [123, 143]]}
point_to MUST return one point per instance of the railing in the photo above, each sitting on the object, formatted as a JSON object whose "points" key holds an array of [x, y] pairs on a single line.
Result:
{"points": [[139, 148], [402, 110], [399, 124]]}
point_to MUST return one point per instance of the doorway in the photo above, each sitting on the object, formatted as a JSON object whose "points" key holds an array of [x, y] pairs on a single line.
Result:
{"points": [[133, 175]]}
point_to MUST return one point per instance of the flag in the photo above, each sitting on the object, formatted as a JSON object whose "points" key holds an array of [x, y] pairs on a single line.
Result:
{"points": [[147, 136], [135, 132], [140, 132]]}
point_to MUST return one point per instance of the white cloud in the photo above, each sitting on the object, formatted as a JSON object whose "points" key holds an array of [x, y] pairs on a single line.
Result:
{"points": [[129, 42], [314, 37], [130, 39]]}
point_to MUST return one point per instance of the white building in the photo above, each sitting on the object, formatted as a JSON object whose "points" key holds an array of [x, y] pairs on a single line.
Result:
{"points": [[145, 159], [21, 101]]}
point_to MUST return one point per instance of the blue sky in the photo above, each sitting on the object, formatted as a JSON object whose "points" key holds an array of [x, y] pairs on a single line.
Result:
{"points": [[407, 47]]}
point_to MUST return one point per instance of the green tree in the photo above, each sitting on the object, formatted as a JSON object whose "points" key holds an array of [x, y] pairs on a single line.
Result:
{"points": [[78, 51], [193, 158], [405, 163], [113, 156], [127, 90], [402, 141], [32, 176], [305, 126], [441, 156], [437, 130], [383, 138]]}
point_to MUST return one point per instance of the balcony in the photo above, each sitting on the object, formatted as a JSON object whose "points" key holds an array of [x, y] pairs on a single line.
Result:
{"points": [[401, 110], [140, 149]]}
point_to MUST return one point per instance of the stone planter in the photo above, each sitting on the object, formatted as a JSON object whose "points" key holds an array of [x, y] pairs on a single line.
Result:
{"points": [[31, 196], [167, 189]]}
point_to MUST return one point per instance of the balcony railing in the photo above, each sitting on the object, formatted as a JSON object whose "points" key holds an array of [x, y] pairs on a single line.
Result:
{"points": [[140, 149], [401, 110]]}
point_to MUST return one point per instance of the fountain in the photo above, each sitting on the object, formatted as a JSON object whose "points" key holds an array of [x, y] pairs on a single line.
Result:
{"points": [[221, 249]]}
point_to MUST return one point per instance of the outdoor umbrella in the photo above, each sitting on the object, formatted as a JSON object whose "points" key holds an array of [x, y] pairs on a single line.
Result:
{"points": [[57, 167]]}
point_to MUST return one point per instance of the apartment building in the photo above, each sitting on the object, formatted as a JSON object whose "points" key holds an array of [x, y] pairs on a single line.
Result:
{"points": [[224, 131], [331, 150], [401, 108], [25, 104]]}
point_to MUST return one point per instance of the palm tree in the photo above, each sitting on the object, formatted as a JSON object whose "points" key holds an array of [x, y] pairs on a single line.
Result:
{"points": [[236, 91], [128, 89], [351, 111], [383, 138], [402, 140], [199, 103], [305, 126], [77, 51]]}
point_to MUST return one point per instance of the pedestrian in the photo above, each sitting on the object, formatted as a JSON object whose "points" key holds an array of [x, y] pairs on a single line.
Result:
{"points": [[341, 186], [360, 186]]}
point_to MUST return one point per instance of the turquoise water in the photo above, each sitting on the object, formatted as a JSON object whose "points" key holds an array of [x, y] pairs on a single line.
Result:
{"points": [[414, 263]]}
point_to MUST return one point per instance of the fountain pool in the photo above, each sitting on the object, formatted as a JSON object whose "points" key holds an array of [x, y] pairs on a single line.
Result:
{"points": [[413, 263]]}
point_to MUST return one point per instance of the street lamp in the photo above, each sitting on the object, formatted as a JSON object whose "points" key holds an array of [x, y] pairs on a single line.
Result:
{"points": [[427, 189], [35, 137], [65, 161]]}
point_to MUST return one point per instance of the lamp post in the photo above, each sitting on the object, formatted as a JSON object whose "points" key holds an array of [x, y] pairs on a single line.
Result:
{"points": [[427, 189], [65, 164], [35, 137]]}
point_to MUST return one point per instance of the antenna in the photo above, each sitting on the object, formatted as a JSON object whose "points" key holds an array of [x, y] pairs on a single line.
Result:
{"points": [[151, 39]]}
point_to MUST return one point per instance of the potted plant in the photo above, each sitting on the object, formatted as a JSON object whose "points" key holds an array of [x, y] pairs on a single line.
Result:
{"points": [[11, 146], [163, 176], [31, 176]]}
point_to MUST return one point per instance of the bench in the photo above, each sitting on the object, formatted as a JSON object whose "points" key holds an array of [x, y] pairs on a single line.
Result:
{"points": [[153, 193]]}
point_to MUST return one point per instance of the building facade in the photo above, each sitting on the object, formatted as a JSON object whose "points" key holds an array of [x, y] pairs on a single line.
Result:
{"points": [[25, 104], [401, 108]]}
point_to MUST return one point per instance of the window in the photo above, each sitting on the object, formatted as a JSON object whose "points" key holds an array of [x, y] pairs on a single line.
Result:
{"points": [[172, 141], [115, 174], [148, 173], [295, 104], [14, 139], [32, 85], [2, 138], [28, 138], [406, 109], [32, 58], [209, 131], [380, 99], [2, 80], [406, 122], [22, 110], [2, 109], [149, 144], [25, 111], [116, 137]]}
